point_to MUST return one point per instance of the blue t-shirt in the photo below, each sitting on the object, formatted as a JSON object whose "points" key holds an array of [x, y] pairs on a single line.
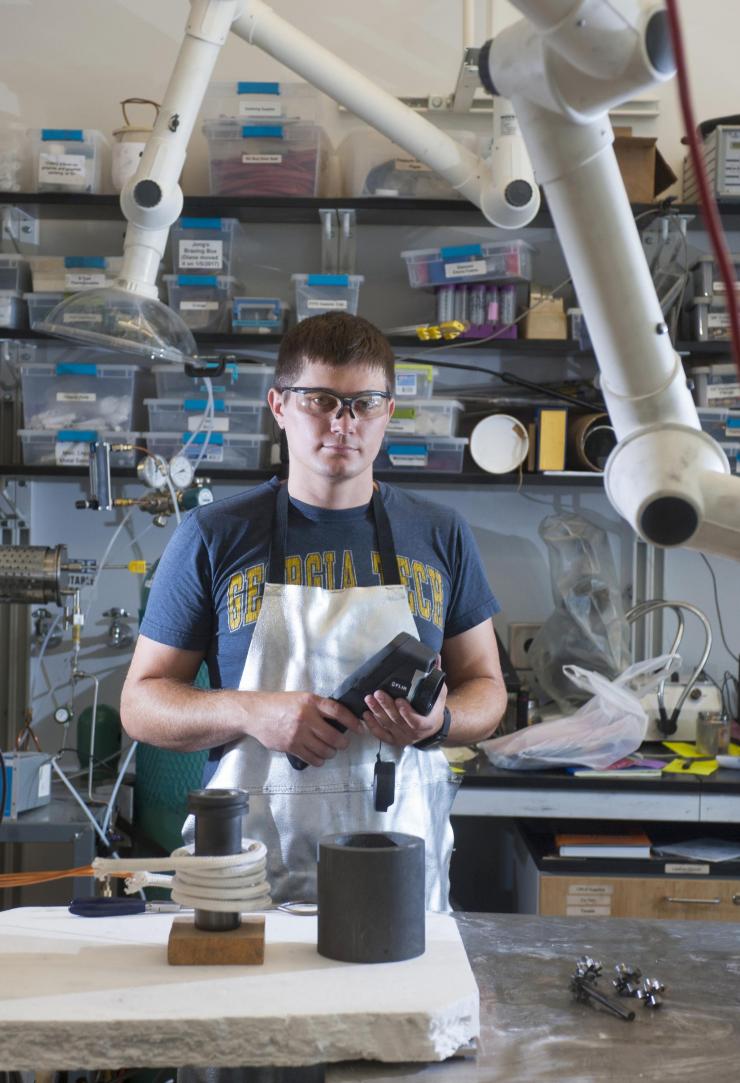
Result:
{"points": [[207, 589]]}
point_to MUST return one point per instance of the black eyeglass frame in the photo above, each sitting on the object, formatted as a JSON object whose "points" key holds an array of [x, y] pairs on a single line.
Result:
{"points": [[343, 400]]}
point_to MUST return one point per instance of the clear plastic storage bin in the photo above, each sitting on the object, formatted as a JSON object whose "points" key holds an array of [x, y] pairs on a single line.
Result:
{"points": [[716, 385], [441, 454], [261, 100], [414, 381], [40, 305], [721, 424], [71, 447], [13, 161], [70, 274], [205, 245], [287, 158], [224, 450], [499, 261], [15, 274], [706, 279], [374, 166], [13, 313], [230, 415], [67, 159], [74, 395], [257, 315], [203, 301], [326, 293], [708, 321], [236, 381], [426, 417]]}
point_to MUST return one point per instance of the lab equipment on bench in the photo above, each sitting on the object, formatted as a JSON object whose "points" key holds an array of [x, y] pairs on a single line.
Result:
{"points": [[721, 148], [27, 783], [716, 386]]}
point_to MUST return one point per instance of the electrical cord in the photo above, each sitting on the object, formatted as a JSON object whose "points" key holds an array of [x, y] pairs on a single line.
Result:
{"points": [[731, 653]]}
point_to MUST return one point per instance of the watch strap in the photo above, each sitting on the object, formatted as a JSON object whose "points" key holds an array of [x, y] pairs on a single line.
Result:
{"points": [[439, 737]]}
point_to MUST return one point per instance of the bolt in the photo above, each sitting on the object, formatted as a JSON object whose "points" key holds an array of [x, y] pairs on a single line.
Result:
{"points": [[583, 990], [661, 328]]}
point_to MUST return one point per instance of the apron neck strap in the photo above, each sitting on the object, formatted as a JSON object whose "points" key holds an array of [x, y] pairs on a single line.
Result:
{"points": [[279, 542]]}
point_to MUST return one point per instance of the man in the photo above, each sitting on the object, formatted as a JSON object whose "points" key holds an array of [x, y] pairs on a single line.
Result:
{"points": [[285, 590]]}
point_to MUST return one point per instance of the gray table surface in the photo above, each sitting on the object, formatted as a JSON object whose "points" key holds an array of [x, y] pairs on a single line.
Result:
{"points": [[532, 1029]]}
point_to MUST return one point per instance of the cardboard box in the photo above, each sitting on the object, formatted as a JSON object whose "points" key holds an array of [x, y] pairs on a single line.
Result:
{"points": [[645, 172], [547, 320]]}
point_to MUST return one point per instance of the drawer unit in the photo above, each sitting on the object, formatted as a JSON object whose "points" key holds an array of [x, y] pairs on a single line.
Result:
{"points": [[70, 447], [229, 415], [441, 454], [319, 293], [74, 395], [243, 381], [205, 245], [224, 450], [426, 417], [492, 261], [265, 158], [202, 301]]}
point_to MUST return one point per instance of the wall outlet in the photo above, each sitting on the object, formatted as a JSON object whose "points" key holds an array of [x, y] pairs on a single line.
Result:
{"points": [[520, 640]]}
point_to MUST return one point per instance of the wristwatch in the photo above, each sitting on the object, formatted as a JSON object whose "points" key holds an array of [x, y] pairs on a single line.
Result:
{"points": [[438, 738]]}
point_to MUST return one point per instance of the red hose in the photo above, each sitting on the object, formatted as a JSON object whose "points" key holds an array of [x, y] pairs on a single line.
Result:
{"points": [[708, 205]]}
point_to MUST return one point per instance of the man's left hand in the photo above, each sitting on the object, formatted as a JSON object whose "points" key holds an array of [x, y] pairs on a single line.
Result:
{"points": [[394, 721]]}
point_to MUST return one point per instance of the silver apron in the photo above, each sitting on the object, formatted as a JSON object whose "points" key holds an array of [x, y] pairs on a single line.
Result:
{"points": [[310, 638]]}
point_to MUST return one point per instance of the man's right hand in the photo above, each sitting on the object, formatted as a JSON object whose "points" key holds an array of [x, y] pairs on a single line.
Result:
{"points": [[298, 723]]}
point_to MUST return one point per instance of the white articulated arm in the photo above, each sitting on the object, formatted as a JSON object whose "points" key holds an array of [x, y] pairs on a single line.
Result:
{"points": [[510, 207], [563, 70]]}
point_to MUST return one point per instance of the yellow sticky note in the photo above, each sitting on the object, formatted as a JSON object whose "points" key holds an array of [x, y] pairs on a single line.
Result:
{"points": [[690, 766], [683, 748]]}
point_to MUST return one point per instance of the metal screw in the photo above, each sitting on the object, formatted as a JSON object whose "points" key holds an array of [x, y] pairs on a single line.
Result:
{"points": [[582, 987], [626, 980], [648, 992], [661, 329], [589, 968]]}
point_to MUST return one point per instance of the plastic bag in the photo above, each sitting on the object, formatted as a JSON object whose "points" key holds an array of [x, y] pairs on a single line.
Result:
{"points": [[588, 626], [609, 726]]}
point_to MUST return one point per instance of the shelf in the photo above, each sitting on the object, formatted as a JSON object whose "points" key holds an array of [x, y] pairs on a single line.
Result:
{"points": [[467, 477], [372, 211]]}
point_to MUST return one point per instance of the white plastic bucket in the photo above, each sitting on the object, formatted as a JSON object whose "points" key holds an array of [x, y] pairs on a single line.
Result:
{"points": [[499, 443], [128, 143]]}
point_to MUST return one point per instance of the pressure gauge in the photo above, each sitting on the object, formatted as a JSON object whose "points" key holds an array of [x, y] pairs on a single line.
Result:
{"points": [[153, 472], [196, 498], [63, 715], [182, 471]]}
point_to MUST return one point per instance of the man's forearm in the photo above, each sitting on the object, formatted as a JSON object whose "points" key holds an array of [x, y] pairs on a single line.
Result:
{"points": [[170, 713], [477, 706]]}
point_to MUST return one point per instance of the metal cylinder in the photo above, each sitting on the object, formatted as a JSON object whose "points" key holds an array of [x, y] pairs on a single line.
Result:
{"points": [[33, 573], [371, 897], [218, 832]]}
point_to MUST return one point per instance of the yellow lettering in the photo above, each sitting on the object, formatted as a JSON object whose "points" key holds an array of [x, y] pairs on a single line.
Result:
{"points": [[255, 579], [235, 600], [377, 567], [329, 560], [293, 571], [313, 576], [404, 572], [420, 577], [438, 595], [349, 579]]}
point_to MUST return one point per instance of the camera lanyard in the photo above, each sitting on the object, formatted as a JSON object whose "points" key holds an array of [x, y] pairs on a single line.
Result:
{"points": [[384, 774]]}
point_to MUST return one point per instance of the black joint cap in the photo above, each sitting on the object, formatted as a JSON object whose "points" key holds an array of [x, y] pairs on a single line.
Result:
{"points": [[669, 520], [484, 70], [147, 193], [658, 43], [518, 193]]}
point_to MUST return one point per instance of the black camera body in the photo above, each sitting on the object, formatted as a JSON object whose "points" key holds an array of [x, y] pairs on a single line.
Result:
{"points": [[404, 668]]}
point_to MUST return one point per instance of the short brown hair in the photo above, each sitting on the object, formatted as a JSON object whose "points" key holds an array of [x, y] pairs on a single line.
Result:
{"points": [[336, 339]]}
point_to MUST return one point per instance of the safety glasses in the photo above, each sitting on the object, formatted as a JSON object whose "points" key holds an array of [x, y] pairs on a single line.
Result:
{"points": [[322, 400]]}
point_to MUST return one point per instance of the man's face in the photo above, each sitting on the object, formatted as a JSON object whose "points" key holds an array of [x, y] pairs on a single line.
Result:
{"points": [[324, 444]]}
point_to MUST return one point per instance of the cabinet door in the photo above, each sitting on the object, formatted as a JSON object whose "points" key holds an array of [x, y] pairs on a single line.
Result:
{"points": [[639, 897]]}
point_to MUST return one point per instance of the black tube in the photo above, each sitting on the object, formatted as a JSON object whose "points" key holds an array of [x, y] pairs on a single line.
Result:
{"points": [[218, 832]]}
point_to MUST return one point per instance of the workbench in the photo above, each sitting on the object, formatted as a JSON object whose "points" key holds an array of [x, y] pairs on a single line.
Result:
{"points": [[531, 1028]]}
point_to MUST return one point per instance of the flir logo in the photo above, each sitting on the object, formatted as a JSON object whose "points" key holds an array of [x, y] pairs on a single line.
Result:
{"points": [[398, 686]]}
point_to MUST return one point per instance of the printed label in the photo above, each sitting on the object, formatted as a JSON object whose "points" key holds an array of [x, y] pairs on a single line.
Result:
{"points": [[718, 319], [71, 454], [198, 306], [687, 869], [83, 280], [327, 305], [723, 393], [402, 424], [719, 287], [465, 268], [213, 424], [262, 159], [419, 458], [76, 396], [259, 109], [411, 165], [201, 255], [591, 889], [508, 124], [406, 384], [211, 455], [582, 911], [66, 169], [45, 780], [78, 317]]}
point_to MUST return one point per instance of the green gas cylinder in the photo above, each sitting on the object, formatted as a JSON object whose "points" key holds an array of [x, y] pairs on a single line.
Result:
{"points": [[107, 741]]}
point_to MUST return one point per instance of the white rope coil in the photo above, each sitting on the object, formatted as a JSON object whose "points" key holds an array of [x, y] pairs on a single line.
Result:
{"points": [[229, 883]]}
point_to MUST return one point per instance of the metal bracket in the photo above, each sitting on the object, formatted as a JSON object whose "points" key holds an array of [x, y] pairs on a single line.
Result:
{"points": [[18, 226], [338, 240]]}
